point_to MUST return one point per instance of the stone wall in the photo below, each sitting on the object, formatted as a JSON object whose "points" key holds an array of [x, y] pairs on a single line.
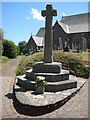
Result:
{"points": [[79, 41], [58, 32], [31, 46], [75, 41]]}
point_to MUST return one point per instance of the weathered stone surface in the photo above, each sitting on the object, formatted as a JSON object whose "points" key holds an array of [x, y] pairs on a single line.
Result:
{"points": [[41, 67], [50, 77], [40, 90], [26, 83], [51, 86], [48, 98], [48, 13]]}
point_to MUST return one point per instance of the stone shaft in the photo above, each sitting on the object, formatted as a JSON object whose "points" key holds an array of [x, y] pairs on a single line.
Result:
{"points": [[48, 46]]}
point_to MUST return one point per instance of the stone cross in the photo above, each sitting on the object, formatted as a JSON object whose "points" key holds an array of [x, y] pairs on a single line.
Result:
{"points": [[48, 46]]}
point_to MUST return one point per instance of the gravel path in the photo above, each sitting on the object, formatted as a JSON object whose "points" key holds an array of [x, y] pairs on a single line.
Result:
{"points": [[77, 107], [8, 77]]}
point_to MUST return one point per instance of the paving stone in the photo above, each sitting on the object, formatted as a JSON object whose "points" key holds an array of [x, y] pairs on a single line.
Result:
{"points": [[52, 115]]}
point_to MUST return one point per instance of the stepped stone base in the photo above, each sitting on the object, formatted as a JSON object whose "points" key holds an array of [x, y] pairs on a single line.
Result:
{"points": [[44, 103], [41, 67], [57, 78], [51, 86], [60, 86], [50, 77]]}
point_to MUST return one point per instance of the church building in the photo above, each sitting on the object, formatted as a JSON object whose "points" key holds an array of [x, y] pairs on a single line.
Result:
{"points": [[71, 31]]}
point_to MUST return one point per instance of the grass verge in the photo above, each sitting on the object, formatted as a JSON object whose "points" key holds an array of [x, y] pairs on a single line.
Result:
{"points": [[4, 59], [74, 62]]}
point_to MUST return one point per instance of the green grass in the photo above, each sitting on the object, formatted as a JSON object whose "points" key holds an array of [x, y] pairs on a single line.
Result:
{"points": [[4, 59], [74, 62]]}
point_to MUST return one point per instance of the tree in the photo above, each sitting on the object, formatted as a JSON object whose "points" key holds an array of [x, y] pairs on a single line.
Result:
{"points": [[1, 41], [17, 50], [22, 47], [10, 49]]}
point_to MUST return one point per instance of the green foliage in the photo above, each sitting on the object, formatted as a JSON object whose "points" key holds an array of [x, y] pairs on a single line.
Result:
{"points": [[24, 50], [71, 61], [10, 49], [22, 47], [5, 59], [17, 50], [40, 81], [27, 62], [1, 41]]}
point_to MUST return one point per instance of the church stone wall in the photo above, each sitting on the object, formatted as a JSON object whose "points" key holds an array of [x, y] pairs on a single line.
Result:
{"points": [[58, 33], [79, 41], [31, 46]]}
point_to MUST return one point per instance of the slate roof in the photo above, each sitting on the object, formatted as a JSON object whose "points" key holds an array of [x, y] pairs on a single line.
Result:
{"points": [[76, 23], [64, 26], [38, 40], [41, 32]]}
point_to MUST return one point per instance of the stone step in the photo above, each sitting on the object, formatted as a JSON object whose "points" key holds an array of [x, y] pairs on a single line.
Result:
{"points": [[50, 77], [48, 102], [51, 86]]}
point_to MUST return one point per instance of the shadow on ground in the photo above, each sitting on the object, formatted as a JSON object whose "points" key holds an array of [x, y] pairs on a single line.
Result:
{"points": [[37, 111], [9, 95]]}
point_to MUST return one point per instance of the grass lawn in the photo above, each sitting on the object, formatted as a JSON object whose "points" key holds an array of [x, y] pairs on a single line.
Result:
{"points": [[85, 58], [76, 62], [4, 59]]}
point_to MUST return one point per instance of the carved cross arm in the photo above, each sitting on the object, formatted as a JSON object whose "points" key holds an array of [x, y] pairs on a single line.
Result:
{"points": [[43, 13], [54, 12]]}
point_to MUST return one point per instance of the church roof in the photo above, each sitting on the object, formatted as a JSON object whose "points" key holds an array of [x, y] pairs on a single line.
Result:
{"points": [[75, 23], [38, 40], [41, 32], [64, 26]]}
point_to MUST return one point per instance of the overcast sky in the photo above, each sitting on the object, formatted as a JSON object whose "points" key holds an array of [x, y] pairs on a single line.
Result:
{"points": [[20, 19]]}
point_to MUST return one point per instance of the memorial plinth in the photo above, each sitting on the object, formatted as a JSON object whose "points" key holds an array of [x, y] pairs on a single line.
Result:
{"points": [[41, 67]]}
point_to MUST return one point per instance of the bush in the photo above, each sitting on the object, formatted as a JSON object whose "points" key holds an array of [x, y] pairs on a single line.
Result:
{"points": [[17, 50], [22, 47], [9, 49], [1, 41], [70, 61]]}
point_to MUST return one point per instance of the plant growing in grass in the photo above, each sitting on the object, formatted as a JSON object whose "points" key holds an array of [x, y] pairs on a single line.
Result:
{"points": [[40, 81]]}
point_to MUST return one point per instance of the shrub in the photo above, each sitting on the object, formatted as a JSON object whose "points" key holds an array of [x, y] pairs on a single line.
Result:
{"points": [[17, 50], [22, 47], [9, 49], [1, 41], [70, 61]]}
